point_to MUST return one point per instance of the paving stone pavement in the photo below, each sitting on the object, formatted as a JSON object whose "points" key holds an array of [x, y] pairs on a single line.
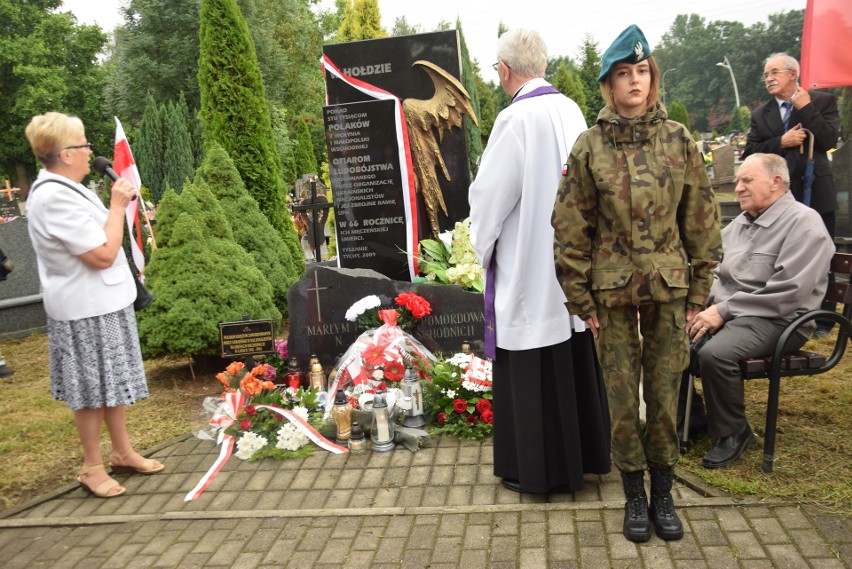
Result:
{"points": [[438, 508]]}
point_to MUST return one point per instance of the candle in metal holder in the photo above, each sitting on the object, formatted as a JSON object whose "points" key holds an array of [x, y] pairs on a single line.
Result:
{"points": [[382, 430]]}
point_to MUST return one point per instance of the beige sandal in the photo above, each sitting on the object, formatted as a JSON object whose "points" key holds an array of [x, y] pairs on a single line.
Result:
{"points": [[149, 466], [104, 490]]}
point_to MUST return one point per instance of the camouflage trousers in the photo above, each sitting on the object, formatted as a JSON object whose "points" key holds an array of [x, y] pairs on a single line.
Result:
{"points": [[646, 343]]}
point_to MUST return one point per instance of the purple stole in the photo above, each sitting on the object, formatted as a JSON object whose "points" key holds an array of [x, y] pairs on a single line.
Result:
{"points": [[490, 321]]}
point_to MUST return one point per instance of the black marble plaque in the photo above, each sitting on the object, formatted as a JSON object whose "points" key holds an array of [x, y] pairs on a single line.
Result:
{"points": [[248, 337], [387, 63], [369, 207], [319, 301]]}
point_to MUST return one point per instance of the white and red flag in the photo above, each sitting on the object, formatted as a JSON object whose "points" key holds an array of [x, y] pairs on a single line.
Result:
{"points": [[125, 167]]}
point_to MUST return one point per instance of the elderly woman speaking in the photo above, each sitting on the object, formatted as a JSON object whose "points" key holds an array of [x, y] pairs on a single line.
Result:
{"points": [[95, 360]]}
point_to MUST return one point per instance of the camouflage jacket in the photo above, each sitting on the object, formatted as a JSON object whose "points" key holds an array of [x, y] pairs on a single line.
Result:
{"points": [[635, 220]]}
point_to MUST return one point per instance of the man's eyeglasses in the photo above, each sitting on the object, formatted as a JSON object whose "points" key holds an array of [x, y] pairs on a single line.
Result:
{"points": [[775, 73], [496, 65], [87, 145]]}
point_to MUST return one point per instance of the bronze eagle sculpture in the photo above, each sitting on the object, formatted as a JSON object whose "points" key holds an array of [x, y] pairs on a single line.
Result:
{"points": [[428, 120]]}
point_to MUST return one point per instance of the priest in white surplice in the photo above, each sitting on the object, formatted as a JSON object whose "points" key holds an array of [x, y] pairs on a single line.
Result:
{"points": [[551, 423]]}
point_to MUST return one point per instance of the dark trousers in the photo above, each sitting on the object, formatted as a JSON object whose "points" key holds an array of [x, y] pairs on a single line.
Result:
{"points": [[719, 361]]}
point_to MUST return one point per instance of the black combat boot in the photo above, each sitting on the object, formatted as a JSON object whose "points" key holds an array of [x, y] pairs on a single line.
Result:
{"points": [[665, 518], [637, 525]]}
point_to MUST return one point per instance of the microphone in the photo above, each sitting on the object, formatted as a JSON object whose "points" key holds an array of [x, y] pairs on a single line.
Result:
{"points": [[104, 167]]}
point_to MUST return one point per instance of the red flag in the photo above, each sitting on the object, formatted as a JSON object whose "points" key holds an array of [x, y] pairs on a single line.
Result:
{"points": [[125, 167], [827, 44]]}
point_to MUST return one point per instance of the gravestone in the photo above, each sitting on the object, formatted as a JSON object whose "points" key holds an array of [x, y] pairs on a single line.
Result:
{"points": [[723, 169], [319, 301], [9, 201], [841, 171], [370, 212], [21, 309], [385, 70]]}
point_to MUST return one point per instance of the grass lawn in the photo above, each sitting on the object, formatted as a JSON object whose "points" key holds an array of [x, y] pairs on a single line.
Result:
{"points": [[40, 449], [38, 440], [813, 448]]}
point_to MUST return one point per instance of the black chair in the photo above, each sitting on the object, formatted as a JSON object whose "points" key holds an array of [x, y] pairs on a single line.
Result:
{"points": [[800, 362]]}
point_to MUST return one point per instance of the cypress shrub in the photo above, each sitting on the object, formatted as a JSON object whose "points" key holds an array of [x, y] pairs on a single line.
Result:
{"points": [[252, 230], [149, 150], [200, 279], [235, 112], [179, 164], [306, 161]]}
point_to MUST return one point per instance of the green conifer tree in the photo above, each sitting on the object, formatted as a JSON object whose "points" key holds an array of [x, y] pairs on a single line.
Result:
{"points": [[178, 158], [253, 231], [306, 162], [472, 134], [590, 67], [284, 144], [677, 113], [361, 20], [570, 86], [148, 151], [168, 210], [234, 112], [200, 279]]}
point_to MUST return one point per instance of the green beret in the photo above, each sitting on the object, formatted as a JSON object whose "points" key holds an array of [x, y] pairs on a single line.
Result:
{"points": [[629, 47]]}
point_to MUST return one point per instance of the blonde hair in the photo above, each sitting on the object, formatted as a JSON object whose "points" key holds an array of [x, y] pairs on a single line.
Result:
{"points": [[49, 133], [653, 91]]}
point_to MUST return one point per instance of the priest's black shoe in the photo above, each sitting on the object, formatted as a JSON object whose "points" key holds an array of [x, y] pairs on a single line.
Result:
{"points": [[728, 449], [512, 485]]}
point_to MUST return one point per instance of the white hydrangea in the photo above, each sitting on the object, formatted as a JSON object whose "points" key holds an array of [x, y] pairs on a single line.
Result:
{"points": [[291, 438], [248, 444], [451, 393], [361, 306]]}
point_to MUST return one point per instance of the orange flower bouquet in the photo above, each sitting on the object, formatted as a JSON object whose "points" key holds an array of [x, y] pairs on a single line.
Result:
{"points": [[262, 432]]}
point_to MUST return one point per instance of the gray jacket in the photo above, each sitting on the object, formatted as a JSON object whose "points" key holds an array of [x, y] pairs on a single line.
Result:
{"points": [[775, 267]]}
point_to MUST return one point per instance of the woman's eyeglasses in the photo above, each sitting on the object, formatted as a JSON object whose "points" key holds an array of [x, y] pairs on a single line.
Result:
{"points": [[87, 145]]}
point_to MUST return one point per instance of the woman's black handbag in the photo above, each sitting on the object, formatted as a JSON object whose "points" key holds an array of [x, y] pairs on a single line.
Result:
{"points": [[144, 297]]}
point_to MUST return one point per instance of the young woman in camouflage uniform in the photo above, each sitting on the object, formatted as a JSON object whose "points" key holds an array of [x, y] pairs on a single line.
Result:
{"points": [[636, 238]]}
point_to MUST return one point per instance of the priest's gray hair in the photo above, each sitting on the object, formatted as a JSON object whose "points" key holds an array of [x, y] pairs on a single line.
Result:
{"points": [[523, 51]]}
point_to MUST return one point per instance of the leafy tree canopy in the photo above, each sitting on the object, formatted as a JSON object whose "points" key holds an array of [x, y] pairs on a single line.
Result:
{"points": [[695, 46], [156, 52], [48, 62]]}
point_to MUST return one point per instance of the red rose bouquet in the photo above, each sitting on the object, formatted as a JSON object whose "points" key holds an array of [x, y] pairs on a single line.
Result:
{"points": [[409, 310], [459, 396]]}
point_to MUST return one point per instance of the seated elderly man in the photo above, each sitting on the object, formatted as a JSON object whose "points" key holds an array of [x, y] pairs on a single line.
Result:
{"points": [[775, 268]]}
